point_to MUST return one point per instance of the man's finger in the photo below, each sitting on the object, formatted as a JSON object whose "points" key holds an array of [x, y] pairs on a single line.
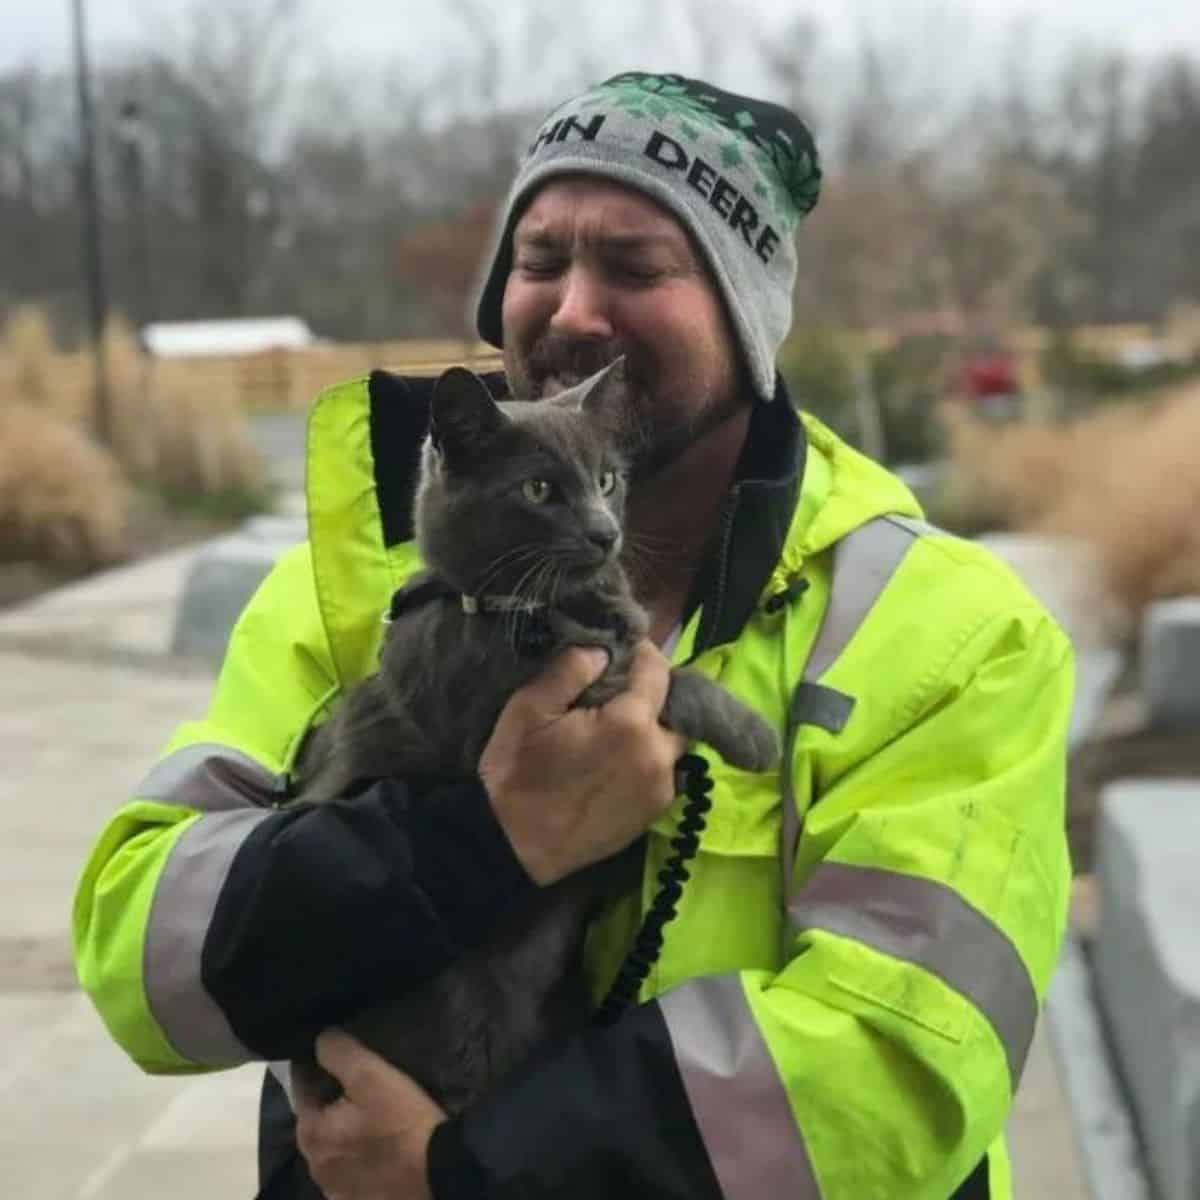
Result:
{"points": [[555, 690], [321, 1130], [649, 676], [350, 1062], [306, 1093], [366, 1078]]}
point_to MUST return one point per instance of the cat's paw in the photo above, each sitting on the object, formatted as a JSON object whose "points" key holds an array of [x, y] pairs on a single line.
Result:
{"points": [[606, 688], [756, 748]]}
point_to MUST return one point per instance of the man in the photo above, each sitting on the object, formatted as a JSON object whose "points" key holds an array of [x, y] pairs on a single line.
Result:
{"points": [[843, 1004]]}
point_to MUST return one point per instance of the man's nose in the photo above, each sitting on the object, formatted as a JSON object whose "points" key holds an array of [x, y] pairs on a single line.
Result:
{"points": [[582, 310]]}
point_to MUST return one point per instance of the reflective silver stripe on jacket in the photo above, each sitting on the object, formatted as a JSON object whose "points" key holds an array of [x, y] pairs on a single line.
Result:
{"points": [[929, 925], [737, 1098], [210, 777], [184, 902], [864, 561]]}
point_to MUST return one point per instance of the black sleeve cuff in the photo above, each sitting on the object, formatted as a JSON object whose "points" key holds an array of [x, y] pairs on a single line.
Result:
{"points": [[329, 909], [601, 1114], [462, 858], [454, 1173]]}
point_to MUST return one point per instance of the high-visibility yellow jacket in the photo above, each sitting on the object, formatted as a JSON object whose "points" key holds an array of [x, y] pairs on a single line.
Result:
{"points": [[844, 1002]]}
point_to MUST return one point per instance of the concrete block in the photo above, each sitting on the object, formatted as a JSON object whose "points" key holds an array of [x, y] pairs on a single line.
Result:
{"points": [[221, 581], [1147, 957], [1171, 663]]}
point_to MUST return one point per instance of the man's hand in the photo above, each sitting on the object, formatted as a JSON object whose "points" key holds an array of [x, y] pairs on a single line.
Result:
{"points": [[572, 786], [372, 1143]]}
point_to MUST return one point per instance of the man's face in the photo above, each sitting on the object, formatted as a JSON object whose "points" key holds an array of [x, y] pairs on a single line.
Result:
{"points": [[600, 270]]}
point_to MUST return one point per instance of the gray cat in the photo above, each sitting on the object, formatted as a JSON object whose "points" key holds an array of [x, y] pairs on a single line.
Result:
{"points": [[519, 523]]}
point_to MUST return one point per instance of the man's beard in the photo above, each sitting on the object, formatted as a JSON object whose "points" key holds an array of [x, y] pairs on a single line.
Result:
{"points": [[555, 362], [656, 439], [663, 443]]}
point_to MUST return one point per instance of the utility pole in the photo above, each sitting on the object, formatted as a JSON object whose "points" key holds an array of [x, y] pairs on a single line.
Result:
{"points": [[132, 132], [89, 197]]}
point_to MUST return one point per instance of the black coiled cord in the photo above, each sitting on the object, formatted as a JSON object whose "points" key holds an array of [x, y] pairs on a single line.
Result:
{"points": [[692, 780]]}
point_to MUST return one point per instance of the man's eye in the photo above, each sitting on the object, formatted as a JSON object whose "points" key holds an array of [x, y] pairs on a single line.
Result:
{"points": [[541, 268], [537, 491], [640, 274]]}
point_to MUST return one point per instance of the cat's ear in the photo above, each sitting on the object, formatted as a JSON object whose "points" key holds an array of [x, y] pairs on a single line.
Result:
{"points": [[606, 392], [462, 416]]}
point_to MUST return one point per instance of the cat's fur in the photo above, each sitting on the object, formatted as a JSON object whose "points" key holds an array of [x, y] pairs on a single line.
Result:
{"points": [[445, 674]]}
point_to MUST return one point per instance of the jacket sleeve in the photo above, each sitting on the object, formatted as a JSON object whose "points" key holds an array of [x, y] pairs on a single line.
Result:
{"points": [[881, 1059], [212, 926]]}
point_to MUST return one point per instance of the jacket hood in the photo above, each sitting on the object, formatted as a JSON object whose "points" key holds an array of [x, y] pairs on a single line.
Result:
{"points": [[843, 489]]}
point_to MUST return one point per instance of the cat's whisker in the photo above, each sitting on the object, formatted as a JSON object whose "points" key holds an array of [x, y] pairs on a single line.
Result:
{"points": [[533, 575], [517, 617], [560, 574], [635, 557], [512, 557], [642, 554], [535, 553], [649, 541], [508, 559], [537, 589]]}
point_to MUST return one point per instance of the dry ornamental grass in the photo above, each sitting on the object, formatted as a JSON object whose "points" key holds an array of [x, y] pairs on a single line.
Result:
{"points": [[65, 500], [1126, 480], [62, 499]]}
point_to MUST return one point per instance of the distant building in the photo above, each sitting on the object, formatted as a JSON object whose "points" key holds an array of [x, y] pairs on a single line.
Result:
{"points": [[224, 339]]}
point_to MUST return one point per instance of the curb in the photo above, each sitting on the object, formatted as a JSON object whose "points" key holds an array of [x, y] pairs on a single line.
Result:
{"points": [[1109, 1147]]}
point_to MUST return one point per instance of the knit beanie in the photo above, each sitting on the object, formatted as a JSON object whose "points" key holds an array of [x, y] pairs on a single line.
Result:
{"points": [[738, 173]]}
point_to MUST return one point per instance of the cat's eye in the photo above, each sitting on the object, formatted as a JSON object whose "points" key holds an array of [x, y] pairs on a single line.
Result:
{"points": [[537, 491], [607, 481]]}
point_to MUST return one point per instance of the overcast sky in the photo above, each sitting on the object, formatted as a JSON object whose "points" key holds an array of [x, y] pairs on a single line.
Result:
{"points": [[39, 30]]}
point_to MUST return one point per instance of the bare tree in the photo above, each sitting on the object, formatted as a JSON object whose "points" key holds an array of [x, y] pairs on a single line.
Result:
{"points": [[1165, 184], [994, 232], [38, 225], [216, 97], [716, 31], [1074, 190], [790, 59]]}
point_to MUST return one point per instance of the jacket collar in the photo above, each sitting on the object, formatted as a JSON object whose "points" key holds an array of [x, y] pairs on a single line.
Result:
{"points": [[752, 527], [797, 490], [753, 523]]}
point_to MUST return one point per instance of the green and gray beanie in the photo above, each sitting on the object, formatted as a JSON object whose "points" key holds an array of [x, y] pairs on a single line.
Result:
{"points": [[738, 173]]}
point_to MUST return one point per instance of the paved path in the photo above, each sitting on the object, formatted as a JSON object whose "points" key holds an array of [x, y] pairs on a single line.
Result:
{"points": [[89, 699], [77, 1120]]}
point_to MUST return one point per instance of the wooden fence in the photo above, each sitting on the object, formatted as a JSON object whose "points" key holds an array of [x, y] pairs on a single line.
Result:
{"points": [[272, 380], [291, 379]]}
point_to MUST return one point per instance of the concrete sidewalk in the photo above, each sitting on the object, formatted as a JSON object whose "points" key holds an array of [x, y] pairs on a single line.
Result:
{"points": [[77, 1120], [88, 702]]}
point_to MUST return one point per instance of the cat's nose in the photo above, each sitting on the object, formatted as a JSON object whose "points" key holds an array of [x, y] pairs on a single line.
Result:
{"points": [[603, 538]]}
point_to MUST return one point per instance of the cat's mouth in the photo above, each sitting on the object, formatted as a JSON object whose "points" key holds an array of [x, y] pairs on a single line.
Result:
{"points": [[585, 565], [554, 383]]}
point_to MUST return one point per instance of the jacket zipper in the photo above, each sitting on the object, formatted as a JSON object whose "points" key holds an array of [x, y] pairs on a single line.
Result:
{"points": [[728, 511]]}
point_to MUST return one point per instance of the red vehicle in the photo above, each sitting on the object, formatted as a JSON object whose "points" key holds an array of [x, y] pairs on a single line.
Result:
{"points": [[991, 384]]}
